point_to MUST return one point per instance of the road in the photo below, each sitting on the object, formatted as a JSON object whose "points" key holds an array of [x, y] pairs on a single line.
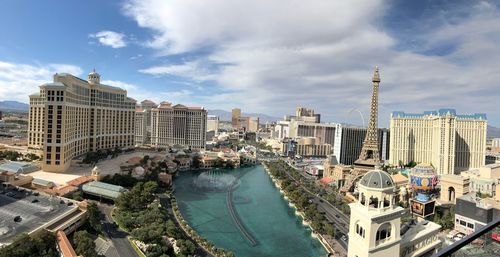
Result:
{"points": [[339, 219], [121, 245]]}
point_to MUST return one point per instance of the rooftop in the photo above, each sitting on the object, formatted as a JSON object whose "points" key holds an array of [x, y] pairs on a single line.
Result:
{"points": [[33, 214], [439, 113], [377, 179], [103, 189], [18, 167]]}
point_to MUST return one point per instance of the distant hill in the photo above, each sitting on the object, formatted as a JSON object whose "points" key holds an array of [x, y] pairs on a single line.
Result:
{"points": [[13, 106], [226, 116], [493, 131]]}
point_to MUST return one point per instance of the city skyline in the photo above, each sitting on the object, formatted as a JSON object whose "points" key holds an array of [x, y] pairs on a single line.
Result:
{"points": [[432, 55]]}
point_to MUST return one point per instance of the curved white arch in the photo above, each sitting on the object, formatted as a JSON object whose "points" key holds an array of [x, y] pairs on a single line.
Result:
{"points": [[360, 114]]}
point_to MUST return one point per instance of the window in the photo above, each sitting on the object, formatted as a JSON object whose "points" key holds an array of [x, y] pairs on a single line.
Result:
{"points": [[463, 223], [470, 225]]}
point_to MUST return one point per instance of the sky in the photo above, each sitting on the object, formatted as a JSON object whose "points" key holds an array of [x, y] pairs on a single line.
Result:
{"points": [[266, 56]]}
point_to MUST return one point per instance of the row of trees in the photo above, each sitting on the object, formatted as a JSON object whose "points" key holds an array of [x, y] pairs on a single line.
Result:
{"points": [[299, 197], [207, 245], [139, 213], [95, 157], [14, 156], [333, 197], [41, 244]]}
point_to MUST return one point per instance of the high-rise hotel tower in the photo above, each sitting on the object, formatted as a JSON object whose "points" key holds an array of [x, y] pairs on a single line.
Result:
{"points": [[71, 116], [449, 141]]}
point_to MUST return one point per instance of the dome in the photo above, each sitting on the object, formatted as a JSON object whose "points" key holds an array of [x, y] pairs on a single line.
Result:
{"points": [[139, 170], [377, 179]]}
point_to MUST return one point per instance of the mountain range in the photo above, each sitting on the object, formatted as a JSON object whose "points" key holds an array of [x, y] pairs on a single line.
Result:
{"points": [[493, 131], [223, 115], [13, 106]]}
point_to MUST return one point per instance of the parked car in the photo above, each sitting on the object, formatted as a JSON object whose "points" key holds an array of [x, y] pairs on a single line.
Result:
{"points": [[458, 237], [17, 219]]}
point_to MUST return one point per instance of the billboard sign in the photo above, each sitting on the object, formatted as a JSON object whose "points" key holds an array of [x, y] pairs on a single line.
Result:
{"points": [[422, 209]]}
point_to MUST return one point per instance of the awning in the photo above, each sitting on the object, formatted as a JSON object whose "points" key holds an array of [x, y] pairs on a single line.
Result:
{"points": [[326, 181]]}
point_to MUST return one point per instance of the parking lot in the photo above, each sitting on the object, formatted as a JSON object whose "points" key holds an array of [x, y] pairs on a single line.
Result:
{"points": [[23, 210]]}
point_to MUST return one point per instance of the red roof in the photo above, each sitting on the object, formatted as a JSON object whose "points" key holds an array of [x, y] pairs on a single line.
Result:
{"points": [[64, 245], [326, 181], [79, 181]]}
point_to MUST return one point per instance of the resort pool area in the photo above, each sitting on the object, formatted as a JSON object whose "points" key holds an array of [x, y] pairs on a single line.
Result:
{"points": [[252, 220]]}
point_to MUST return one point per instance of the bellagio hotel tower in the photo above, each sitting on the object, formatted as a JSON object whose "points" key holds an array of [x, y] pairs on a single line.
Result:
{"points": [[71, 116]]}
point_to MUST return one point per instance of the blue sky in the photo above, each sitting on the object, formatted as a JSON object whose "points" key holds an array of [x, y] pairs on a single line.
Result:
{"points": [[263, 56]]}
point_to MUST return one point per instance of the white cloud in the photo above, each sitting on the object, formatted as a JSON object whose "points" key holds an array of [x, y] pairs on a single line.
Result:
{"points": [[18, 80], [193, 70], [110, 38], [274, 55], [120, 84]]}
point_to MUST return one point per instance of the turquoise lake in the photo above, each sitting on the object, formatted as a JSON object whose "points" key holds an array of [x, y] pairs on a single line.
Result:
{"points": [[272, 226]]}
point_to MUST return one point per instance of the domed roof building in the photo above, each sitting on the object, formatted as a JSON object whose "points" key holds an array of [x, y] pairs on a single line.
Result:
{"points": [[375, 222], [377, 179]]}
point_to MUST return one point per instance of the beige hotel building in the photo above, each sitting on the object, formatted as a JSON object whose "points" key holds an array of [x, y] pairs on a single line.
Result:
{"points": [[71, 116], [450, 142], [167, 125]]}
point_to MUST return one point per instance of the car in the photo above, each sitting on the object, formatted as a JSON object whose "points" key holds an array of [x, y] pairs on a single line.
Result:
{"points": [[458, 237], [337, 216], [343, 238], [18, 219], [70, 203], [34, 201], [61, 202], [36, 193]]}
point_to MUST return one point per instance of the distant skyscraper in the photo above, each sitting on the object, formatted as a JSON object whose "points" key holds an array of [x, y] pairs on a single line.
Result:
{"points": [[143, 122], [349, 142], [370, 155], [70, 117], [213, 123], [450, 142], [235, 117], [253, 124]]}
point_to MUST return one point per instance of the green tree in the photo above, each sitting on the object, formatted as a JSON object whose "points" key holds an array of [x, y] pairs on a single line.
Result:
{"points": [[186, 247], [330, 229], [41, 244], [83, 244], [78, 195], [94, 217], [196, 161]]}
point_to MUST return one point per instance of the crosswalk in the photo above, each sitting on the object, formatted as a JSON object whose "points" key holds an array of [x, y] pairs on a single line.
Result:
{"points": [[102, 246]]}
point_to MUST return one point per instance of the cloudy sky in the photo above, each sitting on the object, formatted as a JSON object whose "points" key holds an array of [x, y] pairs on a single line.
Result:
{"points": [[265, 56]]}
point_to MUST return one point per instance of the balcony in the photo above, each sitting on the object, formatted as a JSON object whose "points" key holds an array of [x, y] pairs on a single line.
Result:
{"points": [[484, 242]]}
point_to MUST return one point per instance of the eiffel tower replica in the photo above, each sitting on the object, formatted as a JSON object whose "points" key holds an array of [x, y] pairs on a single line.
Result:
{"points": [[370, 155]]}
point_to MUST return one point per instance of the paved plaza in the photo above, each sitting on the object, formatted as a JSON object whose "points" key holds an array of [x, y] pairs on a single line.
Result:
{"points": [[31, 210]]}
